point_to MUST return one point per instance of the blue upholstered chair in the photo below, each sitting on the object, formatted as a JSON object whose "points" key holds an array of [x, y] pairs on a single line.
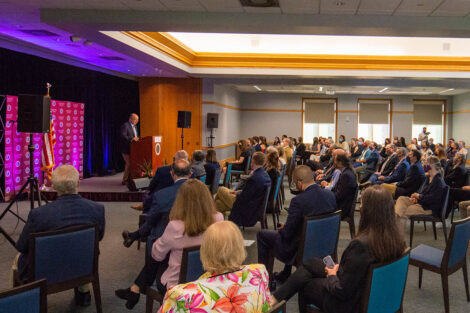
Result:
{"points": [[264, 205], [191, 269], [203, 178], [66, 258], [216, 181], [246, 170], [28, 298], [226, 181], [448, 261], [278, 308], [327, 228], [276, 201], [385, 287], [350, 217], [430, 218]]}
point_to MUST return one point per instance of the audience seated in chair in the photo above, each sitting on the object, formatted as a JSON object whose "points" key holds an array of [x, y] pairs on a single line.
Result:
{"points": [[329, 174], [232, 286], [273, 168], [192, 213], [70, 209], [346, 187], [456, 173], [462, 196], [413, 179], [211, 166], [155, 224], [428, 201], [240, 164], [340, 289], [244, 203], [197, 164], [369, 163], [398, 172], [161, 179], [283, 242]]}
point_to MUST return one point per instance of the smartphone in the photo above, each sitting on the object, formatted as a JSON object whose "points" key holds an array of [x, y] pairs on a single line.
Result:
{"points": [[329, 261]]}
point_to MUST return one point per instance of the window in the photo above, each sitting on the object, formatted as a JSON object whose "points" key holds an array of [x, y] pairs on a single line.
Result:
{"points": [[319, 118], [429, 114], [374, 119]]}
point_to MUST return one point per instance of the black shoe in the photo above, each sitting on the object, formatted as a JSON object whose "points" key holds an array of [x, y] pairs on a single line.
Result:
{"points": [[131, 297], [127, 239], [82, 298]]}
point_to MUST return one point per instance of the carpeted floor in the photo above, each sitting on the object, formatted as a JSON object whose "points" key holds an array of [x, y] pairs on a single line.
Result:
{"points": [[119, 266]]}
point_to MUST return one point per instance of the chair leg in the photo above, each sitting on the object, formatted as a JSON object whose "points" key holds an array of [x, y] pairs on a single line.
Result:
{"points": [[445, 290], [138, 244], [412, 226], [465, 279], [424, 222], [434, 230], [352, 227], [420, 280], [97, 294], [444, 229], [148, 304]]}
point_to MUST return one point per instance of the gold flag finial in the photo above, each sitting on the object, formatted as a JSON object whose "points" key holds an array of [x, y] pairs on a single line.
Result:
{"points": [[48, 86]]}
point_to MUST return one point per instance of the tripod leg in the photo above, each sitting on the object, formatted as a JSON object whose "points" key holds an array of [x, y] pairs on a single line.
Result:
{"points": [[38, 192]]}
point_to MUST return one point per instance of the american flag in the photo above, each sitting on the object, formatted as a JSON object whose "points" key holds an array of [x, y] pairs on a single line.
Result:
{"points": [[47, 153]]}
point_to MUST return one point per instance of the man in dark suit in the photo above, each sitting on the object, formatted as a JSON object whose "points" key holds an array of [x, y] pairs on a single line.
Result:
{"points": [[128, 134], [346, 186], [283, 242], [68, 210], [156, 221], [244, 204], [399, 171], [370, 162], [388, 169], [413, 180], [161, 179]]}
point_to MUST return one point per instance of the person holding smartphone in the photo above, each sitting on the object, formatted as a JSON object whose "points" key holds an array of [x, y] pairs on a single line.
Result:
{"points": [[339, 287]]}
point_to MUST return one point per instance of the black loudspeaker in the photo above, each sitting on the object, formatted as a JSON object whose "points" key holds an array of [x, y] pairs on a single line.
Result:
{"points": [[138, 184], [212, 120], [184, 119], [34, 114]]}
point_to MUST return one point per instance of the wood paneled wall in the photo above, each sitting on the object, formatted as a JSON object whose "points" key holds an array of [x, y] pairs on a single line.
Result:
{"points": [[160, 100]]}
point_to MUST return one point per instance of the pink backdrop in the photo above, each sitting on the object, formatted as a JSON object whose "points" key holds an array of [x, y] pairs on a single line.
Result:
{"points": [[68, 120]]}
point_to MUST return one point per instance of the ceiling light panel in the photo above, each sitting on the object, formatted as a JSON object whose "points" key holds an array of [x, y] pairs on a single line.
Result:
{"points": [[453, 8], [222, 5], [337, 7], [417, 7], [378, 7]]}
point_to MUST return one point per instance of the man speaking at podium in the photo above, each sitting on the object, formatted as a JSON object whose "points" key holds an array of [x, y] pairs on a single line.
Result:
{"points": [[128, 134]]}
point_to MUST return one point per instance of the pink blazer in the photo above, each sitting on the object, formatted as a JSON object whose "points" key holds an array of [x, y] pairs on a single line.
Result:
{"points": [[174, 240]]}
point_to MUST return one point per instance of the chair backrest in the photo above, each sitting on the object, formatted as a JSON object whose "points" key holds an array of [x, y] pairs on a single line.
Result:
{"points": [[353, 204], [203, 178], [324, 226], [215, 182], [248, 165], [386, 285], [191, 265], [29, 298], [278, 186], [457, 244], [64, 257], [227, 175], [264, 204], [279, 307], [445, 201]]}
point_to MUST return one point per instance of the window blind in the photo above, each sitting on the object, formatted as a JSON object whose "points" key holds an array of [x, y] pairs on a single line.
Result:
{"points": [[374, 111], [319, 111]]}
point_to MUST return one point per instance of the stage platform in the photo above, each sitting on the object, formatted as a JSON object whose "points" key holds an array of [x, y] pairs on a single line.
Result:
{"points": [[106, 188]]}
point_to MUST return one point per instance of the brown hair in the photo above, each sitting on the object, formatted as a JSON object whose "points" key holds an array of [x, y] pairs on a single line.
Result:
{"points": [[211, 156], [441, 153], [259, 158], [194, 206], [272, 161], [378, 224], [242, 144], [222, 248]]}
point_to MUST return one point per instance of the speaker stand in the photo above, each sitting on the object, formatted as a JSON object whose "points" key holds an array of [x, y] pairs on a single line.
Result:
{"points": [[33, 184], [211, 138], [182, 138]]}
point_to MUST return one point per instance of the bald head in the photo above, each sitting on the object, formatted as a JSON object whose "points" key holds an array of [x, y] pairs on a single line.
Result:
{"points": [[134, 118], [337, 152], [65, 180], [180, 155], [180, 169], [303, 177]]}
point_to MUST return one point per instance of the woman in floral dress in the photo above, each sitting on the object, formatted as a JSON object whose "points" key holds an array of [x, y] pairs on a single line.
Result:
{"points": [[227, 286]]}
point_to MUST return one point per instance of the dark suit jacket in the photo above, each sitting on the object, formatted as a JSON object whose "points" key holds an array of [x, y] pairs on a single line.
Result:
{"points": [[357, 154], [157, 217], [68, 210], [344, 191], [245, 210], [388, 169], [210, 172], [413, 180], [399, 172], [126, 134], [456, 177], [312, 201], [160, 180], [432, 196], [371, 161]]}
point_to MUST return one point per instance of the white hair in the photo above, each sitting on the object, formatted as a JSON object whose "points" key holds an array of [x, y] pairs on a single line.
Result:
{"points": [[65, 180]]}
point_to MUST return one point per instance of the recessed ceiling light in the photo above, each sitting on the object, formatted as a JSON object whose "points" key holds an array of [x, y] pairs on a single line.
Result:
{"points": [[382, 90], [256, 87], [450, 89], [320, 89]]}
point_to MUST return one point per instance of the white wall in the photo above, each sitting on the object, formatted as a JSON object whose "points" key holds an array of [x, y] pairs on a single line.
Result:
{"points": [[229, 119], [275, 123], [460, 120]]}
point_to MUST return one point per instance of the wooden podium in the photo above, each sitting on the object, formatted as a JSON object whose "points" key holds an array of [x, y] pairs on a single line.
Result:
{"points": [[148, 150]]}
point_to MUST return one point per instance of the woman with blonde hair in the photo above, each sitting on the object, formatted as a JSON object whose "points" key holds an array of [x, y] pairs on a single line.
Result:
{"points": [[192, 213], [227, 285]]}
